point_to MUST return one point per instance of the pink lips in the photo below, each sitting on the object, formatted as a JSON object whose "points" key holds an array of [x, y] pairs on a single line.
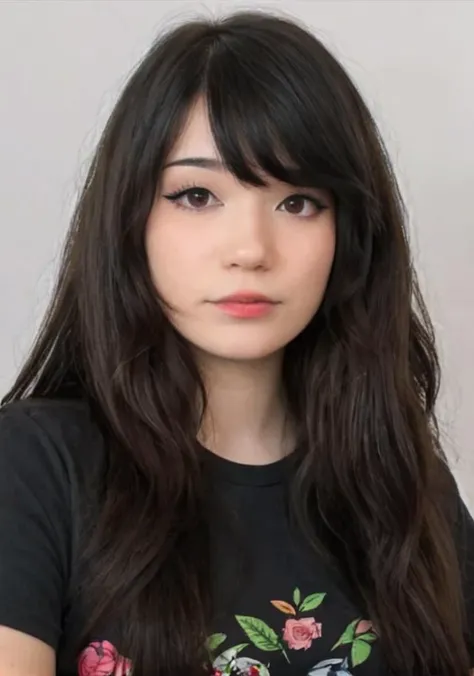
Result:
{"points": [[246, 305]]}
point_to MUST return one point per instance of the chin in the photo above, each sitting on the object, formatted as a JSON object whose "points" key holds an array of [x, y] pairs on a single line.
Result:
{"points": [[241, 352]]}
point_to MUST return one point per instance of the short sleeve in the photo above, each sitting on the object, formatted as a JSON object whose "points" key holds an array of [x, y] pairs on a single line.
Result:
{"points": [[35, 527]]}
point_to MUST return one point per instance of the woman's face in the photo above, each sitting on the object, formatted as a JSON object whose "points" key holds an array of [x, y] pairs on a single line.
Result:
{"points": [[222, 238]]}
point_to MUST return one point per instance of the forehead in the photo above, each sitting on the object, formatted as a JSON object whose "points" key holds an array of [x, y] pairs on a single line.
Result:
{"points": [[195, 146], [195, 139]]}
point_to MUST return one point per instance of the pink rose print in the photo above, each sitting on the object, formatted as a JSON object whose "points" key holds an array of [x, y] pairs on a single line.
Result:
{"points": [[102, 659], [299, 634], [363, 627]]}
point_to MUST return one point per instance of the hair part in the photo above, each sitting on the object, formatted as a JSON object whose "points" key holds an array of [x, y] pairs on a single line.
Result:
{"points": [[362, 378]]}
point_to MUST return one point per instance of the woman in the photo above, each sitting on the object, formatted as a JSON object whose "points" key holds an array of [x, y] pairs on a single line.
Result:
{"points": [[221, 455]]}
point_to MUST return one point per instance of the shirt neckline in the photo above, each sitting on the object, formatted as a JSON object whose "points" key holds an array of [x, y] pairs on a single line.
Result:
{"points": [[245, 474]]}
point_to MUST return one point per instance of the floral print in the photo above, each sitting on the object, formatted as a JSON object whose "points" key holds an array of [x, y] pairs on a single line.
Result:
{"points": [[229, 662], [102, 659], [299, 631], [358, 635], [299, 634], [331, 668]]}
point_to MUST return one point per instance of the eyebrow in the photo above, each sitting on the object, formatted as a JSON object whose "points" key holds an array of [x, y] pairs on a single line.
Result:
{"points": [[201, 162]]}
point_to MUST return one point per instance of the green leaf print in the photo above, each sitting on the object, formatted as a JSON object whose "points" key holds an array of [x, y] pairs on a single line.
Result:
{"points": [[360, 652], [348, 635], [214, 641], [261, 635], [297, 597], [311, 602], [238, 648], [224, 661], [368, 638]]}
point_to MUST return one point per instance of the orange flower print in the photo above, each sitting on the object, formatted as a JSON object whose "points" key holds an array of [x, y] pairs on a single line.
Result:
{"points": [[299, 634]]}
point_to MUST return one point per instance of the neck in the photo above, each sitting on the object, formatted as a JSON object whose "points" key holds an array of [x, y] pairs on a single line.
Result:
{"points": [[245, 419]]}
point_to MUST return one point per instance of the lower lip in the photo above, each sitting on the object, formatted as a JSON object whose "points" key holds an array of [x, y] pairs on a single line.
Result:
{"points": [[246, 310]]}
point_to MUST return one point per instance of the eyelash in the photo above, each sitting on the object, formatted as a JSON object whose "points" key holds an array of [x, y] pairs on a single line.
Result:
{"points": [[176, 195]]}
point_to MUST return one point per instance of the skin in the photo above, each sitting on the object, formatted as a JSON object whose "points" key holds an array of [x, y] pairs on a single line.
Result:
{"points": [[244, 239], [23, 655], [238, 237]]}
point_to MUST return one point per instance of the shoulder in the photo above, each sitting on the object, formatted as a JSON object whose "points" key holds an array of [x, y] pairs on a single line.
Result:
{"points": [[48, 451], [55, 430], [63, 417]]}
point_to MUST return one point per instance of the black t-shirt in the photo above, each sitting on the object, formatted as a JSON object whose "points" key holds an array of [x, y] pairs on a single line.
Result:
{"points": [[292, 616]]}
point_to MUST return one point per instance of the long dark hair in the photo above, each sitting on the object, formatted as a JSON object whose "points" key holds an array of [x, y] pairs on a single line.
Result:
{"points": [[362, 378]]}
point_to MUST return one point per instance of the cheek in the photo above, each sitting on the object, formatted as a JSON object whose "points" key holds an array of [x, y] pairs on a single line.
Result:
{"points": [[175, 261], [169, 255], [310, 262]]}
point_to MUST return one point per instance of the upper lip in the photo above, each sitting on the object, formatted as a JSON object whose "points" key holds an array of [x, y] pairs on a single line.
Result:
{"points": [[245, 297]]}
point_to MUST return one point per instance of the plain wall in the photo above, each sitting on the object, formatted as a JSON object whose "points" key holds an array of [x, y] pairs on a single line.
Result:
{"points": [[62, 65]]}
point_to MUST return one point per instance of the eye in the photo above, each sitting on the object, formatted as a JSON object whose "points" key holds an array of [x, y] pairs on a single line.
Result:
{"points": [[194, 198], [303, 205]]}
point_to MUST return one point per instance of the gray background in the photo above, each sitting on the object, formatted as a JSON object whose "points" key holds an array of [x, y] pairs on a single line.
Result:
{"points": [[62, 64]]}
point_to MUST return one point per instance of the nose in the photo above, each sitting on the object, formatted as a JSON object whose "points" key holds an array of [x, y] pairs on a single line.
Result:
{"points": [[249, 239]]}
